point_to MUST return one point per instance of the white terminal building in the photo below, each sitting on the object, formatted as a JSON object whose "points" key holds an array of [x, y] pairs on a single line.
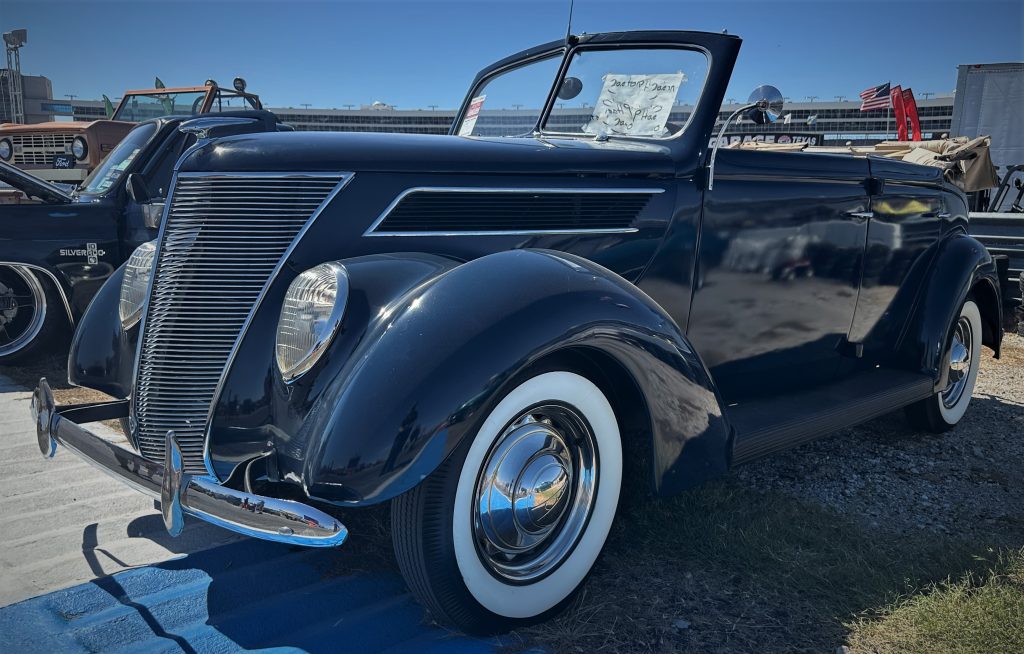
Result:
{"points": [[834, 123]]}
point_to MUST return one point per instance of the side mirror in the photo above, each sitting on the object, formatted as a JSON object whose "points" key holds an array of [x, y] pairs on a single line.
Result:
{"points": [[137, 189], [767, 101], [763, 106], [570, 88]]}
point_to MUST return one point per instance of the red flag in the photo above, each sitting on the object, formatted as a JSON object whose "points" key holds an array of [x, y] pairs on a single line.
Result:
{"points": [[910, 104], [901, 116]]}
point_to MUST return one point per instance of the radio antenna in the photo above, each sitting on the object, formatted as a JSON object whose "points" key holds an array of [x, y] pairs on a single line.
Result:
{"points": [[568, 28]]}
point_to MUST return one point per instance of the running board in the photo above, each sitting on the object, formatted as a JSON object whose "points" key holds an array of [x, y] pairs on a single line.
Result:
{"points": [[811, 414]]}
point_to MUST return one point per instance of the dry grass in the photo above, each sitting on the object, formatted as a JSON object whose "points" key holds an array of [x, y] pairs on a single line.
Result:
{"points": [[975, 614]]}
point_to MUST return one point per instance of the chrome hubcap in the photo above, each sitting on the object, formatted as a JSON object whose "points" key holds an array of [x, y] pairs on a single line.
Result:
{"points": [[959, 363], [22, 308], [535, 493]]}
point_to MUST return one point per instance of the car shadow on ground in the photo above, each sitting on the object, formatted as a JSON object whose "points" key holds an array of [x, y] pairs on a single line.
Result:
{"points": [[245, 595]]}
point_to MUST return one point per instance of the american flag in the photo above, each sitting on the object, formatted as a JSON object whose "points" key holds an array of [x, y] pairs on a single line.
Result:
{"points": [[877, 97]]}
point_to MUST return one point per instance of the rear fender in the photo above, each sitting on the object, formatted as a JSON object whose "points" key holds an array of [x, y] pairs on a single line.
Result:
{"points": [[962, 265], [423, 378]]}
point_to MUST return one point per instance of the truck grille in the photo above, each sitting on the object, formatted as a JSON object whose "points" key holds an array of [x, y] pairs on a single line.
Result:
{"points": [[223, 240], [38, 149]]}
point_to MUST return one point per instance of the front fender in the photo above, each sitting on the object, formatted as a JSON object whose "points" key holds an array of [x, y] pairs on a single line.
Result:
{"points": [[425, 375], [102, 354]]}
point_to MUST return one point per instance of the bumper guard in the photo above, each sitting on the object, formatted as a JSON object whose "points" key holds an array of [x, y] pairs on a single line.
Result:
{"points": [[180, 493]]}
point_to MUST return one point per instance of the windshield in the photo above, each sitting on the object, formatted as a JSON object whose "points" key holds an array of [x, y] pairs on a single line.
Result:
{"points": [[511, 102], [104, 176], [642, 92], [648, 92], [139, 107]]}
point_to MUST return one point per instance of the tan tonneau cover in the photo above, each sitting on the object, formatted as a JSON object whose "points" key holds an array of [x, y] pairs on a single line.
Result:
{"points": [[965, 162]]}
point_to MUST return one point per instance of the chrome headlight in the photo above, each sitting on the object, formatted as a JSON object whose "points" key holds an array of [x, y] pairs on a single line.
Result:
{"points": [[6, 149], [312, 311], [135, 284], [79, 148]]}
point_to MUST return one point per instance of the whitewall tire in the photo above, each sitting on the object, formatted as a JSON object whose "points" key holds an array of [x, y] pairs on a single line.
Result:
{"points": [[510, 526], [943, 410]]}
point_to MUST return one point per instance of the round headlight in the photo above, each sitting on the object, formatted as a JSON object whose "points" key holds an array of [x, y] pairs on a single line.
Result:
{"points": [[6, 149], [135, 284], [79, 148], [310, 316]]}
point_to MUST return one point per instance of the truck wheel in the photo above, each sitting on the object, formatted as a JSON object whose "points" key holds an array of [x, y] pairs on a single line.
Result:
{"points": [[503, 533], [942, 411], [31, 314]]}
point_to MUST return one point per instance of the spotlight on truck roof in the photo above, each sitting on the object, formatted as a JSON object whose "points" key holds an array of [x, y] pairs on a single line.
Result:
{"points": [[239, 84], [210, 82]]}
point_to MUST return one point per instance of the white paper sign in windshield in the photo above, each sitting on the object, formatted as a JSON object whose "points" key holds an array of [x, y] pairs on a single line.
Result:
{"points": [[635, 105], [472, 113]]}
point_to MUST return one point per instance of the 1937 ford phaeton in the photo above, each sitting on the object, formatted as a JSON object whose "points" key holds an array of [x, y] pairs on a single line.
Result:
{"points": [[474, 328]]}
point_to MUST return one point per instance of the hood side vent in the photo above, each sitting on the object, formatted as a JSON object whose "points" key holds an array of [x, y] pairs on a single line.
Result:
{"points": [[444, 211]]}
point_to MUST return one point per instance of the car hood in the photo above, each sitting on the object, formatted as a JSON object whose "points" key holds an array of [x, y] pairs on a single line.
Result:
{"points": [[412, 153], [32, 186]]}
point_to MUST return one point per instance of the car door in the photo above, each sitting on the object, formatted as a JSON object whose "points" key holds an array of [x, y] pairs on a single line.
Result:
{"points": [[47, 228], [781, 241]]}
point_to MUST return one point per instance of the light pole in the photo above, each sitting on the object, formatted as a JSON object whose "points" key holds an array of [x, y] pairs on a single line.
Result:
{"points": [[812, 98], [13, 41], [927, 94], [305, 105], [839, 98]]}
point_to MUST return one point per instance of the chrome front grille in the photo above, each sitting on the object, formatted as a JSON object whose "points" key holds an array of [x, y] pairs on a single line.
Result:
{"points": [[39, 148], [224, 238]]}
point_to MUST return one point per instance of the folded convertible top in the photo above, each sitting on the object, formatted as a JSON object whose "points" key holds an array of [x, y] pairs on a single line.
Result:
{"points": [[965, 162]]}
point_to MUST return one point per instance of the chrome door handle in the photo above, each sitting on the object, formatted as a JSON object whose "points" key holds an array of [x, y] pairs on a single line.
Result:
{"points": [[860, 214]]}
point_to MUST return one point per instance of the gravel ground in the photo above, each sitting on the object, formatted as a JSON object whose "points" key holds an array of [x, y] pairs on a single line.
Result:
{"points": [[967, 482]]}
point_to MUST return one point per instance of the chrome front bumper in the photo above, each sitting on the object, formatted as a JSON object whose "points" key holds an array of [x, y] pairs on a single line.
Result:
{"points": [[180, 493]]}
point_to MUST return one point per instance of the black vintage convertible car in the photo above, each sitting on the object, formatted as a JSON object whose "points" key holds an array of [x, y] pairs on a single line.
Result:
{"points": [[59, 244], [482, 330]]}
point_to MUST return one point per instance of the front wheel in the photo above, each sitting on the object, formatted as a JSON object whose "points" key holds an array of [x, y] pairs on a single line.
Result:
{"points": [[943, 410], [503, 533], [30, 315]]}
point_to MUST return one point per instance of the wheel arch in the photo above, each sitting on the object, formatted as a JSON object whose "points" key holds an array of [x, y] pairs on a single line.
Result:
{"points": [[986, 296], [48, 278], [421, 385]]}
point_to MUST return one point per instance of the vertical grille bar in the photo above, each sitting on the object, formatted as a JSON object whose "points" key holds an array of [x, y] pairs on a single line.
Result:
{"points": [[224, 237]]}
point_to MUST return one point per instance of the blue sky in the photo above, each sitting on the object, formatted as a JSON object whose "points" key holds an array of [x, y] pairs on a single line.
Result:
{"points": [[420, 53]]}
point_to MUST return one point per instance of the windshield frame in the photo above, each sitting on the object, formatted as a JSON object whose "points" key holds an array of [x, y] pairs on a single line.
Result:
{"points": [[568, 48], [567, 63], [82, 189]]}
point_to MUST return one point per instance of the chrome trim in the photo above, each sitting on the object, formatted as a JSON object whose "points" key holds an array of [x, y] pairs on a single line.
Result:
{"points": [[345, 178], [860, 214], [53, 277], [535, 493], [718, 140], [38, 318], [268, 518], [372, 230], [959, 362]]}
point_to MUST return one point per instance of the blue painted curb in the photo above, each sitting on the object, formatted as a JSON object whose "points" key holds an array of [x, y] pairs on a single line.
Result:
{"points": [[249, 595]]}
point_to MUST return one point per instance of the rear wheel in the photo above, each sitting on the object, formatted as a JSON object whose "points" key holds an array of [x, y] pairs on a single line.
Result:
{"points": [[942, 411], [30, 314], [504, 532]]}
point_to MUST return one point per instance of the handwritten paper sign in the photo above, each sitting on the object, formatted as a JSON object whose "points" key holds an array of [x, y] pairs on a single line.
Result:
{"points": [[469, 122], [635, 105]]}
